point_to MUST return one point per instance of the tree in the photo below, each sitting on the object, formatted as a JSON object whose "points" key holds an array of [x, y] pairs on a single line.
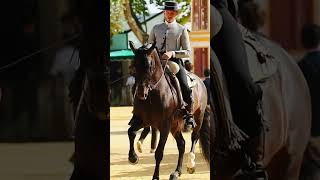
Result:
{"points": [[133, 10], [116, 15]]}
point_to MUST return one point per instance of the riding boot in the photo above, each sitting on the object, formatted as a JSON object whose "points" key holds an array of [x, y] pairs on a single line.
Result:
{"points": [[253, 153], [187, 96], [257, 159], [253, 168], [175, 83], [190, 122]]}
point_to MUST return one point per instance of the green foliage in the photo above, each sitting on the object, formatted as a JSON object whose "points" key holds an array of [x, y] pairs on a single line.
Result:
{"points": [[139, 7], [116, 15]]}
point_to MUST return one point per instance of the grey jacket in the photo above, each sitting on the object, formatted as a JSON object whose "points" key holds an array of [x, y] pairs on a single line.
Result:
{"points": [[177, 39]]}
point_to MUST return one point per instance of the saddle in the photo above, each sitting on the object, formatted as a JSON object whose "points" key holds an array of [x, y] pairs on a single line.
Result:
{"points": [[175, 85], [266, 65]]}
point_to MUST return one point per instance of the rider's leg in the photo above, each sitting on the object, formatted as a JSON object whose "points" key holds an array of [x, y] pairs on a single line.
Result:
{"points": [[229, 47], [187, 95]]}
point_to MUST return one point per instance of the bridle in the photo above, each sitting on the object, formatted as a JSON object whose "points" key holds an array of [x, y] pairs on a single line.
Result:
{"points": [[151, 87]]}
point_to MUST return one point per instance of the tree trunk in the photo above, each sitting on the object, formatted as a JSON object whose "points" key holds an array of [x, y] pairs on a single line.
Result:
{"points": [[141, 35]]}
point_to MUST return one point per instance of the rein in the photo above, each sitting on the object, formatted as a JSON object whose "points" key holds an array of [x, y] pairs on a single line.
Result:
{"points": [[156, 84]]}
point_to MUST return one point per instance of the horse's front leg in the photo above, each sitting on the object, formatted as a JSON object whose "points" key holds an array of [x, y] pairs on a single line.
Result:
{"points": [[153, 140], [159, 152], [132, 132], [181, 147]]}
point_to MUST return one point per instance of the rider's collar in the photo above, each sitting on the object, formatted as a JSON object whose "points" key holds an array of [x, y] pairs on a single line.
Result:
{"points": [[171, 24]]}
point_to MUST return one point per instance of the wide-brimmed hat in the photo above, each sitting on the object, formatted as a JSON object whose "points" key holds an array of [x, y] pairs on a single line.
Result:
{"points": [[171, 5]]}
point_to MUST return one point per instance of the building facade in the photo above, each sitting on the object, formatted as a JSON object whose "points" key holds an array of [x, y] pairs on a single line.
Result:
{"points": [[200, 36]]}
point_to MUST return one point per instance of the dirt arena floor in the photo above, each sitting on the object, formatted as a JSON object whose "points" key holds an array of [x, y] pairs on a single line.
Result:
{"points": [[35, 161], [121, 169]]}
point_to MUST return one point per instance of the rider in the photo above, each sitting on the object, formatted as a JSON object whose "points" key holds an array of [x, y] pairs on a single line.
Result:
{"points": [[229, 47], [172, 40]]}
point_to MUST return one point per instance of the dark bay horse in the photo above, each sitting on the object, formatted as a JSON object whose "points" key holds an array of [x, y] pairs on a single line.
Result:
{"points": [[156, 105], [286, 106], [89, 95]]}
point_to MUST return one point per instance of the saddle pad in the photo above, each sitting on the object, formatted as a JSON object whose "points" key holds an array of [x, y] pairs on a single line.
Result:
{"points": [[262, 65]]}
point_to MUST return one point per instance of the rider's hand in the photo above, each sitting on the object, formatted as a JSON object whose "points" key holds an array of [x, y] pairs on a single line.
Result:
{"points": [[167, 55]]}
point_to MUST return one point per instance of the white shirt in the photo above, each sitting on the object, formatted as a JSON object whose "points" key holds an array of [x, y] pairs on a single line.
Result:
{"points": [[66, 62], [130, 81]]}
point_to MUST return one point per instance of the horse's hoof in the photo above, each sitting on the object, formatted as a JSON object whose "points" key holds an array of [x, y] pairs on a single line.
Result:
{"points": [[191, 170], [152, 150], [139, 146], [174, 176], [155, 178], [133, 159]]}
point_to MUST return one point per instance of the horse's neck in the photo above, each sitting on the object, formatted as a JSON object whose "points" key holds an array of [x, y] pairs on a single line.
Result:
{"points": [[159, 72]]}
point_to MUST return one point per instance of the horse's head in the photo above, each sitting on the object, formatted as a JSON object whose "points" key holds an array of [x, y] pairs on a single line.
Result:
{"points": [[216, 22], [145, 65]]}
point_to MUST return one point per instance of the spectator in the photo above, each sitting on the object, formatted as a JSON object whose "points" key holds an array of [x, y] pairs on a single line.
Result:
{"points": [[188, 65], [206, 82], [250, 15], [129, 84], [65, 64], [310, 66]]}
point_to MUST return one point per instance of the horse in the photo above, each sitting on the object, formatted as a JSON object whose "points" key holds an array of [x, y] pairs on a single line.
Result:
{"points": [[286, 106], [156, 105], [89, 96]]}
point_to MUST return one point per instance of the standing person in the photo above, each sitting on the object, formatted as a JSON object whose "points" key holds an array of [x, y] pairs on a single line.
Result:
{"points": [[245, 95], [250, 15], [65, 64], [310, 66], [129, 85], [206, 82], [188, 65], [172, 40]]}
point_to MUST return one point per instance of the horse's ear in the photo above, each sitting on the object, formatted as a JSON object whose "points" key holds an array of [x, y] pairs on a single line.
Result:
{"points": [[132, 46]]}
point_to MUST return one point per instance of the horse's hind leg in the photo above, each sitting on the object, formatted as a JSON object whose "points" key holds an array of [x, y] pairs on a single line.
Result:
{"points": [[159, 152], [181, 147], [132, 132], [191, 165]]}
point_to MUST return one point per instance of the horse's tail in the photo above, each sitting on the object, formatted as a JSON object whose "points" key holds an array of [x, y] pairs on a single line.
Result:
{"points": [[205, 135]]}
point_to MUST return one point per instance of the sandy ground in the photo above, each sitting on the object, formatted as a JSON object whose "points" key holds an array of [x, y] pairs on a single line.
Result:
{"points": [[121, 169], [35, 161]]}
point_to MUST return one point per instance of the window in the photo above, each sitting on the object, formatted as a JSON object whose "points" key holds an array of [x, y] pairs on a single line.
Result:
{"points": [[200, 20]]}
